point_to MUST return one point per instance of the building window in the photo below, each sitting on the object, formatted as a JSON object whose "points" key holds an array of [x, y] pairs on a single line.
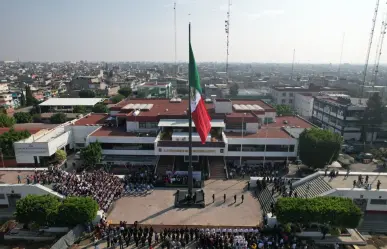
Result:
{"points": [[378, 201], [291, 94], [283, 101], [290, 101], [235, 126], [148, 125], [284, 94]]}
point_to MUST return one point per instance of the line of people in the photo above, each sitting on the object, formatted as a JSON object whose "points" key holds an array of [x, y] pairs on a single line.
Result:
{"points": [[204, 238]]}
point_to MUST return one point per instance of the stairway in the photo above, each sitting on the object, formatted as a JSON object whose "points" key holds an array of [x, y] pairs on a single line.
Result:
{"points": [[265, 199], [313, 188], [373, 222], [217, 170], [164, 164]]}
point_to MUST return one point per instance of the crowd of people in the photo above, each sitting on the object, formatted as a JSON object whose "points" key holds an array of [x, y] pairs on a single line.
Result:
{"points": [[100, 185], [272, 169], [176, 238]]}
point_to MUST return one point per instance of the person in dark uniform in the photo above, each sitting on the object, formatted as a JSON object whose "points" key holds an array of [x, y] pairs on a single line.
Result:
{"points": [[213, 198], [224, 198], [242, 197], [235, 197]]}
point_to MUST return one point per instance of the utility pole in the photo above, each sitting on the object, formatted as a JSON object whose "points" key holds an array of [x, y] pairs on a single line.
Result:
{"points": [[294, 55], [341, 55], [369, 48], [227, 29], [174, 23]]}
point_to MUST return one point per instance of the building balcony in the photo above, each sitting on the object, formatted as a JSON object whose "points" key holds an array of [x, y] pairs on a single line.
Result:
{"points": [[194, 144]]}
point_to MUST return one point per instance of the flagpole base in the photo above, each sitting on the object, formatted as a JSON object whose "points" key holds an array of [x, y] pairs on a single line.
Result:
{"points": [[184, 200]]}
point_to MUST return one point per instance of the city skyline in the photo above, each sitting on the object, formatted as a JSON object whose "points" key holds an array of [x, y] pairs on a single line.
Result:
{"points": [[261, 31]]}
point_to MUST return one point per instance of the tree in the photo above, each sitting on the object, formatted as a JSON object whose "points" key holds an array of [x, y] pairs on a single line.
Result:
{"points": [[30, 100], [92, 154], [141, 94], [117, 98], [335, 211], [79, 109], [8, 138], [22, 117], [60, 155], [77, 210], [100, 108], [36, 118], [86, 94], [58, 118], [283, 110], [125, 91], [6, 121], [319, 147], [234, 89], [40, 209], [372, 117]]}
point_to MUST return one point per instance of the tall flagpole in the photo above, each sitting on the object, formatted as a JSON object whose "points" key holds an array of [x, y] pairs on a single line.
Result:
{"points": [[190, 183]]}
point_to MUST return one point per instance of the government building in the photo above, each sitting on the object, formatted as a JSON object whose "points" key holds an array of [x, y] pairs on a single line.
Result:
{"points": [[155, 132]]}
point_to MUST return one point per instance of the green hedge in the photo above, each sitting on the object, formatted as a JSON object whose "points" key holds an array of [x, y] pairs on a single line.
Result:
{"points": [[334, 211]]}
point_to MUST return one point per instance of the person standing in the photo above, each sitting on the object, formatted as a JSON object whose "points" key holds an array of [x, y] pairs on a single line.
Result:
{"points": [[224, 198], [248, 185], [242, 197], [18, 179], [235, 197], [213, 198]]}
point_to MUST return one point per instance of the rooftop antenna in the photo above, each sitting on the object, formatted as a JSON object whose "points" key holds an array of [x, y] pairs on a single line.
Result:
{"points": [[294, 55], [379, 51], [174, 23], [341, 55], [227, 29], [369, 49]]}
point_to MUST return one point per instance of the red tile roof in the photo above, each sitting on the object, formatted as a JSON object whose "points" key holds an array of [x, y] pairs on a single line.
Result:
{"points": [[92, 119], [163, 108], [113, 132], [291, 121], [274, 130], [262, 133]]}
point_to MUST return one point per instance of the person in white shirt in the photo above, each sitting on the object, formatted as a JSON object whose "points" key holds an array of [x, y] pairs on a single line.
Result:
{"points": [[260, 245], [294, 246], [235, 231]]}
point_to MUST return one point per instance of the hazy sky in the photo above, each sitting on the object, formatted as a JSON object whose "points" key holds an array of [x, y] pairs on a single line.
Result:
{"points": [[133, 30]]}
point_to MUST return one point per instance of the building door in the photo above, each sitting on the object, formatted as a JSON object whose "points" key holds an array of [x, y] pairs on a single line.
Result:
{"points": [[12, 198]]}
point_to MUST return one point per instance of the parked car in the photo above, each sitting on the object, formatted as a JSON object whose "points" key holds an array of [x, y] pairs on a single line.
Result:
{"points": [[361, 156]]}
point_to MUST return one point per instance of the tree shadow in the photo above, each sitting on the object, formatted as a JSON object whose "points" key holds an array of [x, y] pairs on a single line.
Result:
{"points": [[157, 214]]}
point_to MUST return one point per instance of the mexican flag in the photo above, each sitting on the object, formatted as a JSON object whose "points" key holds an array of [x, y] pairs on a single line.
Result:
{"points": [[198, 107]]}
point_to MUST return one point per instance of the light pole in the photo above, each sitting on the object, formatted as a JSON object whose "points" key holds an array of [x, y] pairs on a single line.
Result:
{"points": [[240, 158]]}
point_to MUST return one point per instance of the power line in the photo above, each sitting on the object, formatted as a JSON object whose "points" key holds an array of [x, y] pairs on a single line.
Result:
{"points": [[379, 51], [369, 47]]}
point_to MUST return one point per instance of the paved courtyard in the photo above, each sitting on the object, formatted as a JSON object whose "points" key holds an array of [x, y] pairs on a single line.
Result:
{"points": [[157, 208]]}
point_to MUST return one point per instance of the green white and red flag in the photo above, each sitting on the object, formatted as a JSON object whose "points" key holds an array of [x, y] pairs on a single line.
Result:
{"points": [[199, 112]]}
